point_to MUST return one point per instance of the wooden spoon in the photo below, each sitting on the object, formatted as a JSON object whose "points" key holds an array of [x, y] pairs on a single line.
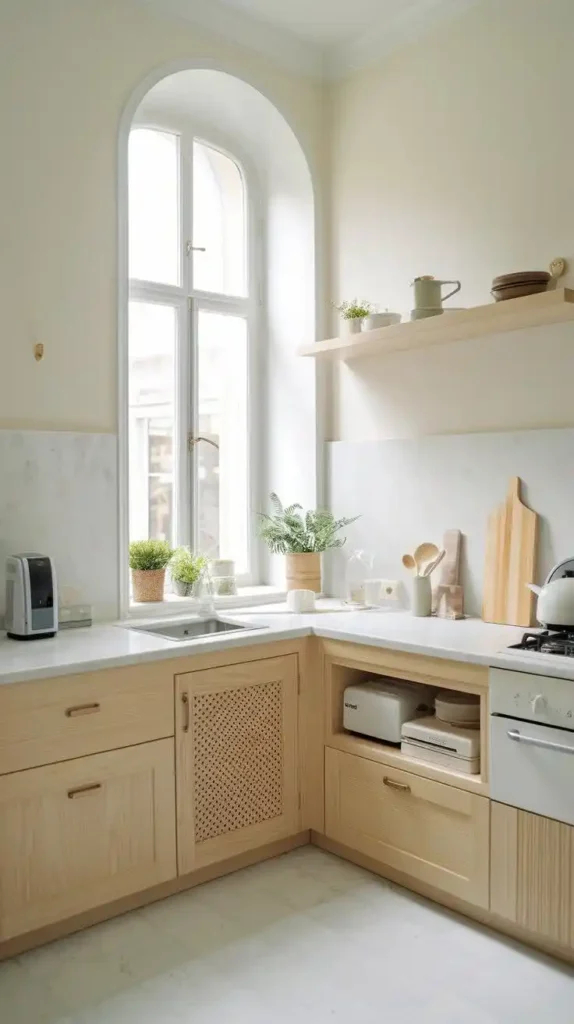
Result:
{"points": [[424, 553], [435, 562], [409, 562]]}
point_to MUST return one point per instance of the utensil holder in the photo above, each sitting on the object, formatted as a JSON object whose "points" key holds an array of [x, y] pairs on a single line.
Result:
{"points": [[421, 596]]}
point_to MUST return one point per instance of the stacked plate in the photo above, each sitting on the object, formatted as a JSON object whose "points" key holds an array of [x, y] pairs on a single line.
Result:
{"points": [[513, 286], [459, 709]]}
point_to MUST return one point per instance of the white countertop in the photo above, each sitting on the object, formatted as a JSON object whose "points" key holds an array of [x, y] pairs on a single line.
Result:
{"points": [[107, 646]]}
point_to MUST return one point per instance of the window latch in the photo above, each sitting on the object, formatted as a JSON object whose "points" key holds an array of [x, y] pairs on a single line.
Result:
{"points": [[192, 441], [190, 247]]}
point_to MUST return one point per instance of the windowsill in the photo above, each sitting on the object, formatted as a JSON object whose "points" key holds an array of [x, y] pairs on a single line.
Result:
{"points": [[173, 605]]}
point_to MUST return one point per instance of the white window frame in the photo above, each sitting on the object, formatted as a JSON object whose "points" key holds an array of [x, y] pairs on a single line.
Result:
{"points": [[189, 302]]}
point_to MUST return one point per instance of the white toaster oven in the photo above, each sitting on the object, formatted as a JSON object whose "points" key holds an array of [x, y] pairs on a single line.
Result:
{"points": [[378, 707]]}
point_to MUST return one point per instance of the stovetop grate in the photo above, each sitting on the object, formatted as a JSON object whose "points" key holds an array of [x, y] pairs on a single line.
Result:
{"points": [[547, 642]]}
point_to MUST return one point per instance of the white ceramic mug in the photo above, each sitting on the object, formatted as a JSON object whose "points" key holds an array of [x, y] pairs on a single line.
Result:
{"points": [[300, 601], [422, 596]]}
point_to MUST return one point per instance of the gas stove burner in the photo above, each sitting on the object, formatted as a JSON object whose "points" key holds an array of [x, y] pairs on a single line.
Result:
{"points": [[548, 642]]}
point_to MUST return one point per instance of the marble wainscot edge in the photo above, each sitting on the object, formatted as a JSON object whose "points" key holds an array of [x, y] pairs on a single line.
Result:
{"points": [[107, 646]]}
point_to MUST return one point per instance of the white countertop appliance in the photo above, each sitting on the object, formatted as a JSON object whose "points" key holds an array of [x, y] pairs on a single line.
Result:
{"points": [[532, 743], [437, 742], [378, 707], [31, 597]]}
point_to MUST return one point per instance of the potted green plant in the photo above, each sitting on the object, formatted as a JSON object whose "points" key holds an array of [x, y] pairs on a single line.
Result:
{"points": [[186, 568], [148, 561], [301, 537], [352, 314]]}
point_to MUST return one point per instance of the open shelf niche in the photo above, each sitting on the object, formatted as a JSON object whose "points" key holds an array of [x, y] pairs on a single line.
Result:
{"points": [[339, 675]]}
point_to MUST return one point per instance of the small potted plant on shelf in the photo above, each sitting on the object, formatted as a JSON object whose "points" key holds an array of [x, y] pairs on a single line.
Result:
{"points": [[352, 315], [148, 561], [186, 569], [301, 537]]}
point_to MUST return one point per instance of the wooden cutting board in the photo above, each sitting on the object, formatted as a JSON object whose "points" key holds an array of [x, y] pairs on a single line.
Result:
{"points": [[510, 561]]}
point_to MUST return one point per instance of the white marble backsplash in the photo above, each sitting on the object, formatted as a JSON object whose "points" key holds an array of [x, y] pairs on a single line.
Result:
{"points": [[59, 496], [408, 491]]}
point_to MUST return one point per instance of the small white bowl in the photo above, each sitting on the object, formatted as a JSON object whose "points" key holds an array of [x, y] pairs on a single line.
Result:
{"points": [[376, 320]]}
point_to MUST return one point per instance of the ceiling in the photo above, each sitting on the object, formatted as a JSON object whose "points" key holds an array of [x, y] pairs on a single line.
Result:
{"points": [[328, 23], [320, 37]]}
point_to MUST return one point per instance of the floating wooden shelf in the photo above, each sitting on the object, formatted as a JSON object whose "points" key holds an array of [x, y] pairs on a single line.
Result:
{"points": [[495, 318]]}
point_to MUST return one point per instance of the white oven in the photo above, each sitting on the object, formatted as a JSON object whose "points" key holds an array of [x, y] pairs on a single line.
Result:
{"points": [[532, 743]]}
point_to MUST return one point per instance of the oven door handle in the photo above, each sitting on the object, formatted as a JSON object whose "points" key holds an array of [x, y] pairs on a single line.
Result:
{"points": [[561, 748]]}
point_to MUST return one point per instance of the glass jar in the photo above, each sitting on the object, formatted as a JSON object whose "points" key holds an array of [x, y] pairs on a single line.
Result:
{"points": [[359, 569], [224, 586]]}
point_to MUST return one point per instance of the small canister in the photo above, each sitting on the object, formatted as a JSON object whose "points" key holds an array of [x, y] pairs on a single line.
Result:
{"points": [[421, 596], [223, 577]]}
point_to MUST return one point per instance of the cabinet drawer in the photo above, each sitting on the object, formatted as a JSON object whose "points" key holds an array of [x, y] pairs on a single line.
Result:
{"points": [[430, 831], [82, 833], [48, 720]]}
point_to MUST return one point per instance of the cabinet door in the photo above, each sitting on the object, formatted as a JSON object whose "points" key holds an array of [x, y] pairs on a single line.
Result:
{"points": [[429, 831], [83, 833], [532, 873], [236, 749]]}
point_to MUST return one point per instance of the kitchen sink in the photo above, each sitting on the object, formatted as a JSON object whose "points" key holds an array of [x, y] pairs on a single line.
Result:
{"points": [[194, 628]]}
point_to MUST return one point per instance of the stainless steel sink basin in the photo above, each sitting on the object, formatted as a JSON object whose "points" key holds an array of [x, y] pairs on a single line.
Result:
{"points": [[194, 629]]}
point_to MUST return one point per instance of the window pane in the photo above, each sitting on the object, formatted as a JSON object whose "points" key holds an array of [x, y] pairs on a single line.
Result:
{"points": [[154, 206], [222, 465], [218, 223], [152, 340]]}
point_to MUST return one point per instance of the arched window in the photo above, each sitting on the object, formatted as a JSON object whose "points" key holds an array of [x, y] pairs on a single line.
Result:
{"points": [[190, 331]]}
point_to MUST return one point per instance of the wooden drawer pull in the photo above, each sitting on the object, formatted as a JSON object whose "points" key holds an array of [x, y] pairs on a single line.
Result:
{"points": [[84, 790], [82, 709], [185, 702], [396, 785]]}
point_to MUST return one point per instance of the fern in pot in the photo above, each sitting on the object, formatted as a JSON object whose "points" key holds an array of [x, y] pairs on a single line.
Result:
{"points": [[302, 537], [186, 569], [148, 562]]}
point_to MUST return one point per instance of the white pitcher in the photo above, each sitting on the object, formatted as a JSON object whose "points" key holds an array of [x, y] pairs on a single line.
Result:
{"points": [[428, 292]]}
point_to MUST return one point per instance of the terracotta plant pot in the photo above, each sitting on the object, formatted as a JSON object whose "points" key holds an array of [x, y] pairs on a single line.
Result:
{"points": [[148, 584], [303, 572]]}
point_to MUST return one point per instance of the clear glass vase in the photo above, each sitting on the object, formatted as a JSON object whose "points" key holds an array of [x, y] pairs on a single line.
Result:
{"points": [[359, 569]]}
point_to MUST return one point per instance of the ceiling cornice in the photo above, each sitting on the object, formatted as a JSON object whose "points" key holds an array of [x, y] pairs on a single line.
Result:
{"points": [[287, 49], [409, 24], [297, 55]]}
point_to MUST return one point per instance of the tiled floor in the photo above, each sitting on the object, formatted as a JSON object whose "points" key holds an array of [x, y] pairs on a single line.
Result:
{"points": [[304, 939]]}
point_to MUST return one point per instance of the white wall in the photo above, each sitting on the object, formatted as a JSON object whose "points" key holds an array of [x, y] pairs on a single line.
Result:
{"points": [[67, 70], [59, 497], [413, 490], [456, 158]]}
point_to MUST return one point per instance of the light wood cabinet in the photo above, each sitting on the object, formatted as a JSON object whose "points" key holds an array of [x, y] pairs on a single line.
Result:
{"points": [[236, 756], [431, 832], [532, 873], [82, 833], [48, 720]]}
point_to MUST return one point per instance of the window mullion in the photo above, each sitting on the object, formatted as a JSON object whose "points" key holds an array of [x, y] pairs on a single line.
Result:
{"points": [[222, 303], [186, 359], [149, 291]]}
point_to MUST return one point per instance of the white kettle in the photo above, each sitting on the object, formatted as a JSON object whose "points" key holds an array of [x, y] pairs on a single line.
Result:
{"points": [[555, 606]]}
